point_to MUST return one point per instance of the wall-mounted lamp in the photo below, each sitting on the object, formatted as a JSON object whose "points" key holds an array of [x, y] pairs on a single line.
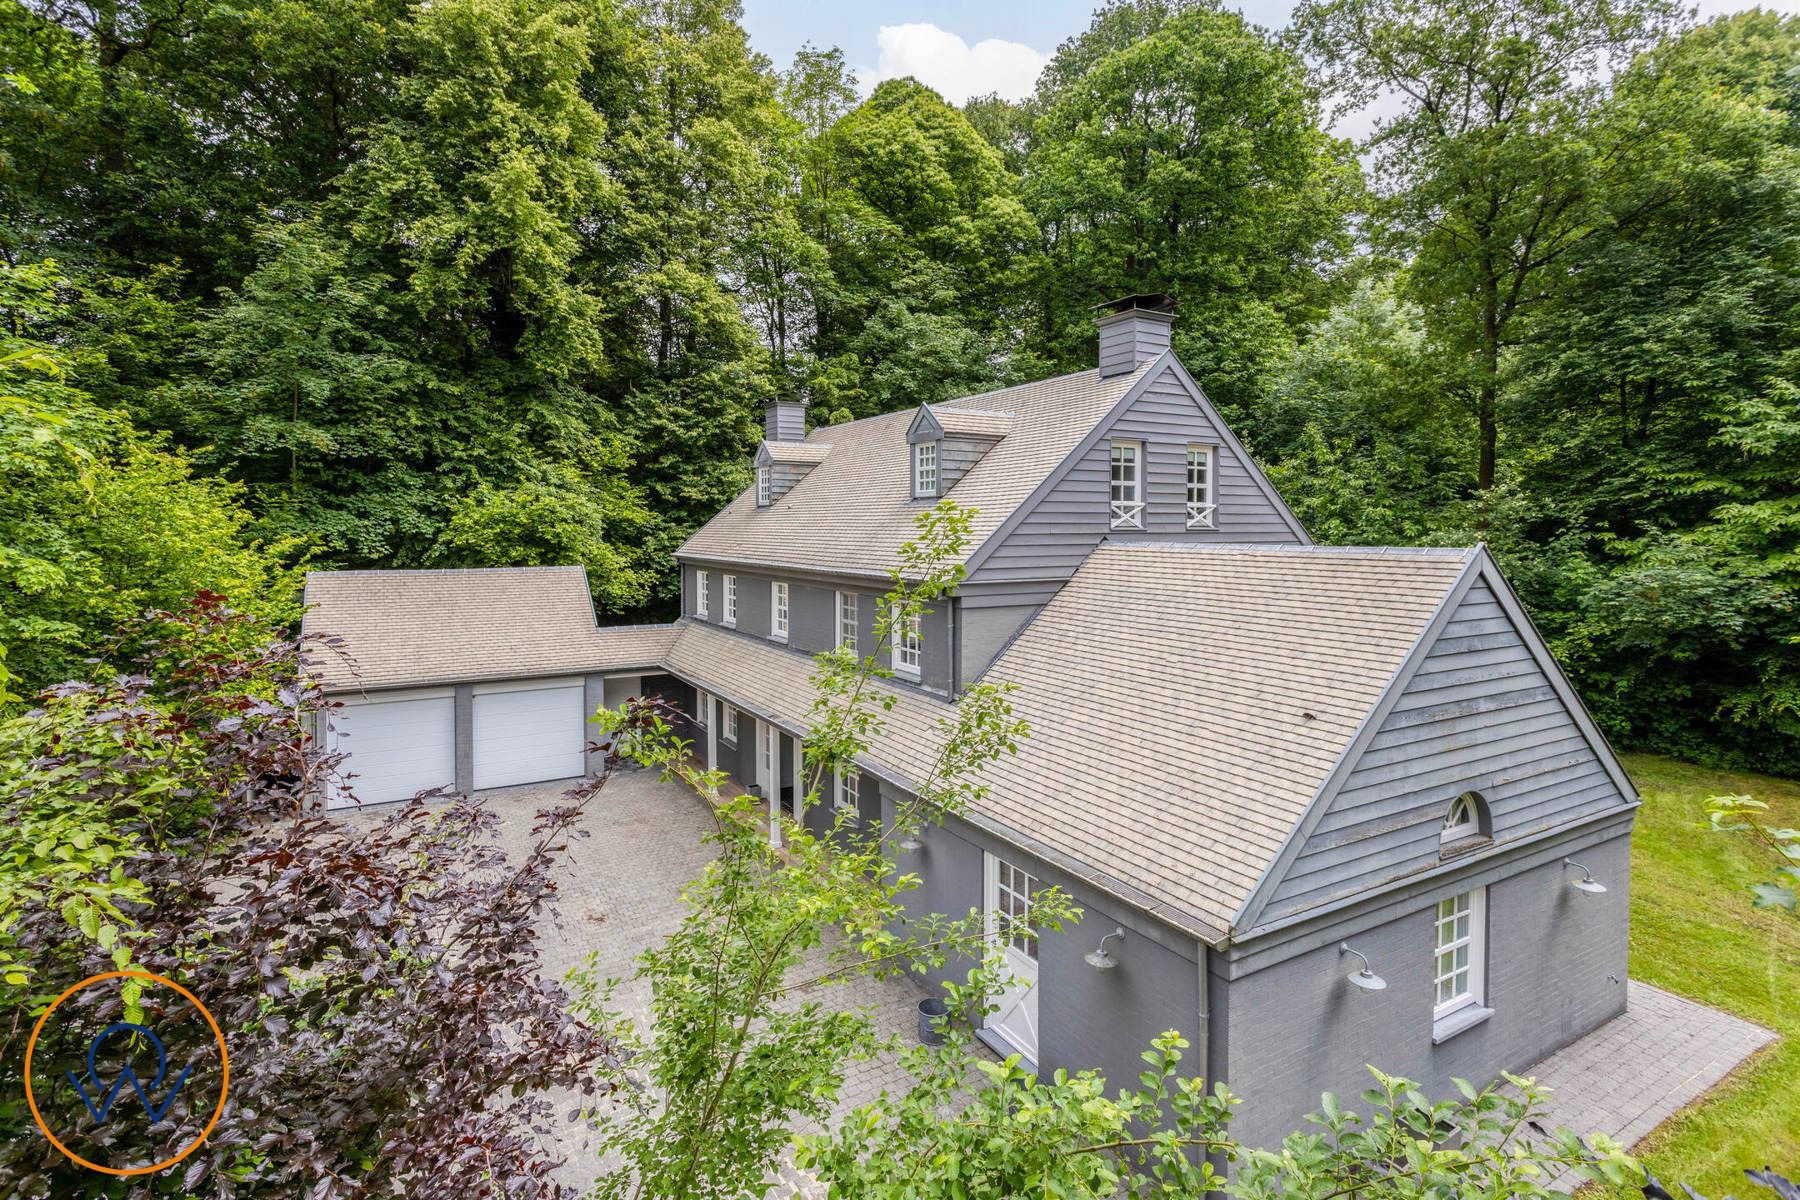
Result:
{"points": [[909, 841], [1098, 958], [1587, 882], [1365, 979]]}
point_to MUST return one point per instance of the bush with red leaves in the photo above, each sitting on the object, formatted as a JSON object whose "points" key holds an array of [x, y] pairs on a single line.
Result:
{"points": [[379, 984]]}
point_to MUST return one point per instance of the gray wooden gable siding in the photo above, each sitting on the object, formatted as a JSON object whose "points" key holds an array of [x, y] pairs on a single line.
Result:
{"points": [[956, 455], [783, 476], [1053, 538], [1479, 714]]}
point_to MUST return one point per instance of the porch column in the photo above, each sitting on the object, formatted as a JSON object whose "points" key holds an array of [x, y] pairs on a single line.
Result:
{"points": [[799, 778], [768, 773]]}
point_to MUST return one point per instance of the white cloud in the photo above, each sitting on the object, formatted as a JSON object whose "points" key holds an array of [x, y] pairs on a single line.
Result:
{"points": [[940, 59]]}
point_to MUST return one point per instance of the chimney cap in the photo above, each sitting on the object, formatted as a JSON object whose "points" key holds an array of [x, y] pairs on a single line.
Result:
{"points": [[1156, 302], [771, 401]]}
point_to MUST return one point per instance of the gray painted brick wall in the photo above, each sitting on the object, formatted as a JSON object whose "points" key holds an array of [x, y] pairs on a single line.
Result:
{"points": [[1556, 962], [1086, 1018]]}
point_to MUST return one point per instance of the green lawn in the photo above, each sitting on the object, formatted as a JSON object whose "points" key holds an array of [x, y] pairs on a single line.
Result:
{"points": [[1694, 932]]}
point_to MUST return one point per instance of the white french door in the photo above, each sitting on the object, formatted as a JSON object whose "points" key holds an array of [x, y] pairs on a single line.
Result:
{"points": [[1007, 906]]}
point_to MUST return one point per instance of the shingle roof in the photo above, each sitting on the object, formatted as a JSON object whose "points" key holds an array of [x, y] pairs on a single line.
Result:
{"points": [[973, 422], [1186, 704], [852, 512], [425, 628], [797, 452]]}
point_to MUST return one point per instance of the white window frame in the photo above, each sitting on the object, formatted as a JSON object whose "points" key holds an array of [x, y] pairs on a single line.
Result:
{"points": [[907, 648], [1011, 892], [1459, 923], [1202, 508], [846, 608], [729, 616], [729, 724], [702, 584], [778, 610], [765, 487], [1126, 498], [1461, 831], [849, 784], [925, 469]]}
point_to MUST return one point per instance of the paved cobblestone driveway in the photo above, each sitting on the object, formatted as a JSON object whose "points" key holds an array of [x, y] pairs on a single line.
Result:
{"points": [[620, 893]]}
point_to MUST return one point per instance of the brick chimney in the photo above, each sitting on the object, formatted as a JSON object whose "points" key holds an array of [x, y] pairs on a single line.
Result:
{"points": [[1133, 330], [784, 420]]}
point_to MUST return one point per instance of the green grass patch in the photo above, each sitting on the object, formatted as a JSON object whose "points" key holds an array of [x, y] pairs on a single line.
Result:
{"points": [[1694, 932]]}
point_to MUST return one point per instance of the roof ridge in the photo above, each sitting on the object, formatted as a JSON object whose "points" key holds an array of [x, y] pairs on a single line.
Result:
{"points": [[445, 570], [1272, 548]]}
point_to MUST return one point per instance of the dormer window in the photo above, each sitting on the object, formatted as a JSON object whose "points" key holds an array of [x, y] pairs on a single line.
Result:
{"points": [[1201, 508], [1127, 485], [1466, 821], [925, 470], [764, 487]]}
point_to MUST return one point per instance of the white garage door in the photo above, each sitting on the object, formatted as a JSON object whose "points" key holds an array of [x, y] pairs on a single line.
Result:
{"points": [[529, 731], [398, 745]]}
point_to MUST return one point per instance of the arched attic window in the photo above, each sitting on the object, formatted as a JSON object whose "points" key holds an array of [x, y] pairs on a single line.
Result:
{"points": [[1466, 821]]}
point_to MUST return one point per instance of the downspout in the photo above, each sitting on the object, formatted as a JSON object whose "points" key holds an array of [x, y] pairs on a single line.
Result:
{"points": [[1204, 1047]]}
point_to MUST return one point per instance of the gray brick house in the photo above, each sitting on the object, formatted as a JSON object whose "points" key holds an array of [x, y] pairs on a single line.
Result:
{"points": [[1247, 752]]}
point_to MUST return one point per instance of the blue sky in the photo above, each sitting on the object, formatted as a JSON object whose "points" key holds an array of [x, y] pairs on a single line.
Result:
{"points": [[977, 46]]}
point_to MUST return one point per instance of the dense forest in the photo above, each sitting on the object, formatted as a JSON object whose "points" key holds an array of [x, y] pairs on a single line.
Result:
{"points": [[365, 283]]}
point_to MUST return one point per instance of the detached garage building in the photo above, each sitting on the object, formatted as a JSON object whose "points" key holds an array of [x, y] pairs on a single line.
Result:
{"points": [[469, 679]]}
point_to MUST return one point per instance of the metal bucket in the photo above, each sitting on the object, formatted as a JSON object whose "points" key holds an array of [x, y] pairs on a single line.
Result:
{"points": [[932, 1009]]}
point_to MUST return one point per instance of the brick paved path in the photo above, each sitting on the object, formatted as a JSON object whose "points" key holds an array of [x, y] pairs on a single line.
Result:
{"points": [[621, 893], [1633, 1073]]}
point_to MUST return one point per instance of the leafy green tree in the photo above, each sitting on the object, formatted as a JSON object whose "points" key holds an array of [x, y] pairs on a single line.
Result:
{"points": [[1179, 150], [704, 238], [1659, 397], [159, 133], [1365, 442], [1487, 175], [428, 340], [560, 519], [928, 239], [311, 399], [473, 192], [99, 522], [1006, 124]]}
